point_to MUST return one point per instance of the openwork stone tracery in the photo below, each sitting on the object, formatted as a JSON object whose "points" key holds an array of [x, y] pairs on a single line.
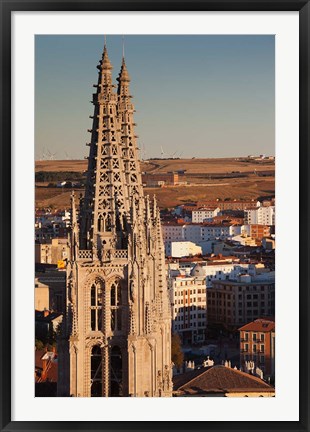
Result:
{"points": [[116, 334]]}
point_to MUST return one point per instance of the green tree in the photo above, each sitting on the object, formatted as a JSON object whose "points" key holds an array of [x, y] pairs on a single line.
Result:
{"points": [[177, 355]]}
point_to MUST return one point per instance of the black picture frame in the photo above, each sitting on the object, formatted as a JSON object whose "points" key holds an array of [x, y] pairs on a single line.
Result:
{"points": [[7, 7]]}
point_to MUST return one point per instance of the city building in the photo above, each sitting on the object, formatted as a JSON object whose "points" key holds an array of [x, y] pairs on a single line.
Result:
{"points": [[46, 373], [52, 251], [219, 270], [231, 204], [269, 243], [43, 252], [181, 249], [50, 225], [234, 303], [260, 216], [116, 334], [160, 179], [52, 281], [244, 240], [41, 296], [257, 345], [204, 214], [188, 303], [205, 235], [46, 324]]}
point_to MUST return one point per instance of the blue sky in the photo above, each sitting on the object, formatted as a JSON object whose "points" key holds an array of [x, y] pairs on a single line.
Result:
{"points": [[202, 96]]}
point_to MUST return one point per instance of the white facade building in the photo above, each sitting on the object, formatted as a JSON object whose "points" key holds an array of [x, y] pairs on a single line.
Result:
{"points": [[220, 271], [260, 216], [183, 249], [189, 310], [201, 234], [204, 214]]}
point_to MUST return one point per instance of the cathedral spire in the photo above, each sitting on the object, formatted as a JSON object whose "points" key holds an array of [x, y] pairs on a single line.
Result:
{"points": [[106, 188], [130, 149], [117, 320]]}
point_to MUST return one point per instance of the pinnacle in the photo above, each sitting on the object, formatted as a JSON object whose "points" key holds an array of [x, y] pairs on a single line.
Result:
{"points": [[106, 64], [123, 75]]}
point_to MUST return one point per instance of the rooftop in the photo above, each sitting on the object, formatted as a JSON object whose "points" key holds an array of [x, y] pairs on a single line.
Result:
{"points": [[261, 325], [219, 379]]}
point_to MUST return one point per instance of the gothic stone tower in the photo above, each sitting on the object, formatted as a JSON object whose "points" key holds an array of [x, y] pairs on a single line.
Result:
{"points": [[115, 338]]}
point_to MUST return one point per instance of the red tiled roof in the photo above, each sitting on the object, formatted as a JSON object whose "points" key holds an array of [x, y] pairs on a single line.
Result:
{"points": [[262, 325], [221, 379]]}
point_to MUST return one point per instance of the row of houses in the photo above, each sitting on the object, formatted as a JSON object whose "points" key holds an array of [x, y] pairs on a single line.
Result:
{"points": [[207, 238]]}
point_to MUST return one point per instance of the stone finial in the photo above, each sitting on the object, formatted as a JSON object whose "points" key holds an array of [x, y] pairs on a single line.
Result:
{"points": [[123, 75], [105, 63]]}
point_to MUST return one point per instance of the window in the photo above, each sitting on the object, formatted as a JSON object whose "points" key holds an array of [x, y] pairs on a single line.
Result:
{"points": [[116, 311], [262, 337], [96, 297], [254, 336], [96, 371]]}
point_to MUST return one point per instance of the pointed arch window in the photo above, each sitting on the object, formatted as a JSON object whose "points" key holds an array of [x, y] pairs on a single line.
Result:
{"points": [[116, 376], [96, 299], [96, 371], [116, 306]]}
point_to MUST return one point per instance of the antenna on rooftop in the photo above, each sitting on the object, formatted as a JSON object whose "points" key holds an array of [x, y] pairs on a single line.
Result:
{"points": [[123, 40]]}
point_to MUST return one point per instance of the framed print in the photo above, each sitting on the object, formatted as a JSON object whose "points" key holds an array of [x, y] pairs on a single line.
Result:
{"points": [[159, 276]]}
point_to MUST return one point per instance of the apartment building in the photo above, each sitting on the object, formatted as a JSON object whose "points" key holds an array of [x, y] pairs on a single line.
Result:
{"points": [[260, 216], [182, 249], [257, 344], [188, 305], [201, 234], [234, 303], [52, 251], [204, 214], [230, 204], [258, 232]]}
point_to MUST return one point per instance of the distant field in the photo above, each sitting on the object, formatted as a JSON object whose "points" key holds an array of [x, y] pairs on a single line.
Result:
{"points": [[61, 165], [198, 173], [192, 166]]}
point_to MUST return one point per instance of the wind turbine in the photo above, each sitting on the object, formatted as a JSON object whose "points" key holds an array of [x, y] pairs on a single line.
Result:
{"points": [[143, 152], [51, 155], [44, 155]]}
